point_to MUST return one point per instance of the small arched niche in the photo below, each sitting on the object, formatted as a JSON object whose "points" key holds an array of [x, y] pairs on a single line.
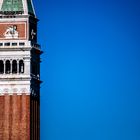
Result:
{"points": [[14, 66], [1, 67], [21, 66], [7, 66]]}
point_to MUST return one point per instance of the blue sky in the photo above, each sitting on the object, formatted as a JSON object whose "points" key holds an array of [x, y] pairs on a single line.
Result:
{"points": [[90, 69]]}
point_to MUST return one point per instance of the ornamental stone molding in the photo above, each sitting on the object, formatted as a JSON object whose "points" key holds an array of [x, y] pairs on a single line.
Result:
{"points": [[11, 91], [11, 32]]}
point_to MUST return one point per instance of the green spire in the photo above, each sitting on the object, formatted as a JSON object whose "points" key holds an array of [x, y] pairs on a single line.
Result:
{"points": [[30, 7], [12, 6]]}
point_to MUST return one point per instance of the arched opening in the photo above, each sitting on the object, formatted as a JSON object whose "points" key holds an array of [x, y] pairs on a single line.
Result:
{"points": [[1, 67], [21, 66], [8, 67], [14, 66]]}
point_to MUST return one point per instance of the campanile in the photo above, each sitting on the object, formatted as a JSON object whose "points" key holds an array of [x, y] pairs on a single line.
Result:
{"points": [[19, 71]]}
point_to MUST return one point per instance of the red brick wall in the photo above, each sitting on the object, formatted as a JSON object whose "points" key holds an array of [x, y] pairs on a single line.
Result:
{"points": [[15, 117], [1, 116]]}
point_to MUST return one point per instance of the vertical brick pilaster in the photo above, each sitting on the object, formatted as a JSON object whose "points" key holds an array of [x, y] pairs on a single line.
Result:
{"points": [[28, 117], [15, 117], [1, 117], [6, 134], [24, 112]]}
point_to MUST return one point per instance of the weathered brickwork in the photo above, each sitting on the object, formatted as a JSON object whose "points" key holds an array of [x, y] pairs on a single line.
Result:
{"points": [[1, 116], [15, 117]]}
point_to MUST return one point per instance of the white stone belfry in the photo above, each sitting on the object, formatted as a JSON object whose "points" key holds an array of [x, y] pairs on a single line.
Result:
{"points": [[19, 50], [19, 71]]}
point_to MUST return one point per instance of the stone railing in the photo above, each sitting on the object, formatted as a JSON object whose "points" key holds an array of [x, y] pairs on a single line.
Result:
{"points": [[17, 43]]}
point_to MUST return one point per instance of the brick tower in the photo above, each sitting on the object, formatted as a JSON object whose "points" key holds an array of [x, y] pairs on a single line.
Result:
{"points": [[19, 71]]}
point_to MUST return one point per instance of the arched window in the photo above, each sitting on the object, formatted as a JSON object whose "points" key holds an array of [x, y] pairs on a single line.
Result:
{"points": [[8, 67], [21, 66], [14, 66], [1, 67]]}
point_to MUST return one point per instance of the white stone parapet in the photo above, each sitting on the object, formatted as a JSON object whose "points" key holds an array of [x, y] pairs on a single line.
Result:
{"points": [[18, 44]]}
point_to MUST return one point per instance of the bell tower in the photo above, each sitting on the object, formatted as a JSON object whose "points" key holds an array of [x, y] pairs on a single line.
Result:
{"points": [[19, 71]]}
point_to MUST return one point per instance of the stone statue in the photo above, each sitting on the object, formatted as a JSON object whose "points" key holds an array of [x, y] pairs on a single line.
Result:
{"points": [[33, 34]]}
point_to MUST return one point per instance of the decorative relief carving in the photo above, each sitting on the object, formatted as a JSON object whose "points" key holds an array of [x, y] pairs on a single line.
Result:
{"points": [[33, 34], [24, 90], [11, 32], [15, 90], [12, 91], [14, 30], [6, 90]]}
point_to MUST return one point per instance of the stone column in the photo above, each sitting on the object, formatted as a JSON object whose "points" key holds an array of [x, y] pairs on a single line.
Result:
{"points": [[17, 66], [27, 68], [11, 66]]}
